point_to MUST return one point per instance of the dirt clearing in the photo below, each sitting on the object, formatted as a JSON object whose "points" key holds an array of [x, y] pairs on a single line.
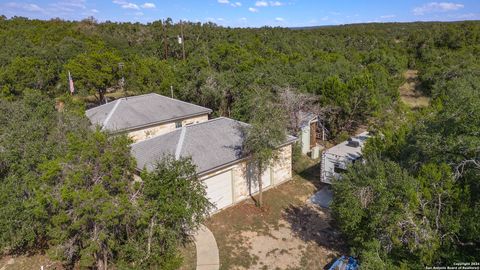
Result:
{"points": [[409, 92], [287, 234]]}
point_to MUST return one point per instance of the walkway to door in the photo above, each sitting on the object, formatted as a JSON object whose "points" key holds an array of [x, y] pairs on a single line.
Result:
{"points": [[207, 250]]}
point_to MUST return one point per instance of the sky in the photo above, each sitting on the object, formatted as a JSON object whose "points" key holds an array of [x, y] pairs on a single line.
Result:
{"points": [[247, 13]]}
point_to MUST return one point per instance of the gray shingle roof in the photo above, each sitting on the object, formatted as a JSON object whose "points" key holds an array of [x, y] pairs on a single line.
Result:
{"points": [[211, 144], [305, 118], [141, 111]]}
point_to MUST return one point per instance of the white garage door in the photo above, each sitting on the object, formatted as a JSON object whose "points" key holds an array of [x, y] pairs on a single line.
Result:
{"points": [[219, 190], [266, 177]]}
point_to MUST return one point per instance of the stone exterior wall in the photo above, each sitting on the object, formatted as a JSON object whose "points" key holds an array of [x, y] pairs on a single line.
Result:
{"points": [[143, 134], [280, 172]]}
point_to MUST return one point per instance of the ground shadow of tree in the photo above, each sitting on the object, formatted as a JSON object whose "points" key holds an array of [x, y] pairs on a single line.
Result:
{"points": [[313, 224], [312, 174]]}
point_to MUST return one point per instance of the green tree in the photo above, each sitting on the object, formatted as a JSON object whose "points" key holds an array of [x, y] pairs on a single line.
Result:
{"points": [[146, 75], [266, 132], [23, 73], [91, 198], [384, 210], [33, 133], [175, 204], [94, 72]]}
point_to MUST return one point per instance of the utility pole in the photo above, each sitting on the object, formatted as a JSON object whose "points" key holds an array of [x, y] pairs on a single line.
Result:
{"points": [[183, 40], [165, 40], [171, 90]]}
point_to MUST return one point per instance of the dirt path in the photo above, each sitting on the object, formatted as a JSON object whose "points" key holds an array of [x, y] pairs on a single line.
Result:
{"points": [[409, 92]]}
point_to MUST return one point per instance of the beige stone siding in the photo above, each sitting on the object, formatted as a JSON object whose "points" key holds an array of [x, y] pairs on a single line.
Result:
{"points": [[194, 120], [142, 134], [280, 172]]}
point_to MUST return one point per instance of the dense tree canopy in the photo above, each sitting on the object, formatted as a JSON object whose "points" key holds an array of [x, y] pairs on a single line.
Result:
{"points": [[417, 193], [70, 190]]}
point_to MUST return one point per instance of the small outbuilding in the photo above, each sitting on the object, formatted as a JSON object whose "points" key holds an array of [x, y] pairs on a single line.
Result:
{"points": [[335, 160], [309, 134], [308, 129]]}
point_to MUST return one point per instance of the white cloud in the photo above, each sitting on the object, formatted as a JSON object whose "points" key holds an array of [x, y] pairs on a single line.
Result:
{"points": [[220, 19], [74, 3], [433, 7], [236, 4], [261, 4], [94, 10], [148, 5], [243, 19], [66, 6], [388, 16], [223, 1], [251, 9], [139, 13], [130, 6], [276, 3], [279, 19], [26, 7], [126, 5]]}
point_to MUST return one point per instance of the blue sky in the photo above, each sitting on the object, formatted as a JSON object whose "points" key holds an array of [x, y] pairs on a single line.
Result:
{"points": [[248, 13]]}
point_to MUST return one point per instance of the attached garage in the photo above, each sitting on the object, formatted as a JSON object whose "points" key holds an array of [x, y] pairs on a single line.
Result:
{"points": [[214, 147], [252, 179], [220, 190]]}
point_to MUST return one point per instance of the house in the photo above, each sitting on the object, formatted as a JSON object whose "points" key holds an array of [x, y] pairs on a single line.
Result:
{"points": [[336, 159], [146, 116], [215, 148]]}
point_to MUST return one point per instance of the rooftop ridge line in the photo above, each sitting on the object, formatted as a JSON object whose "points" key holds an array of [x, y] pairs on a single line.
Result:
{"points": [[105, 122], [178, 150]]}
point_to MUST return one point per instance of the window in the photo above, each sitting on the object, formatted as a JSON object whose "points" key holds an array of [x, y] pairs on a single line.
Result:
{"points": [[178, 124], [338, 168]]}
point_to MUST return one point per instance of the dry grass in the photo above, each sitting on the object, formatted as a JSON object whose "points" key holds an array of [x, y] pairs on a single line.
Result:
{"points": [[26, 262], [409, 92], [286, 234], [189, 254]]}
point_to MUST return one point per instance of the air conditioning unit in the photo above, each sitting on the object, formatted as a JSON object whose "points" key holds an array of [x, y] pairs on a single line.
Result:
{"points": [[315, 152], [353, 143]]}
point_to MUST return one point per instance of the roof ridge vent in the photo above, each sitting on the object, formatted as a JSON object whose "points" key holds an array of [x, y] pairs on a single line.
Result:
{"points": [[104, 124], [178, 150]]}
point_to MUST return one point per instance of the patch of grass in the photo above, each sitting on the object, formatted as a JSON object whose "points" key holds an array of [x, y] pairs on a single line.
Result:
{"points": [[410, 93], [189, 254], [29, 262]]}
